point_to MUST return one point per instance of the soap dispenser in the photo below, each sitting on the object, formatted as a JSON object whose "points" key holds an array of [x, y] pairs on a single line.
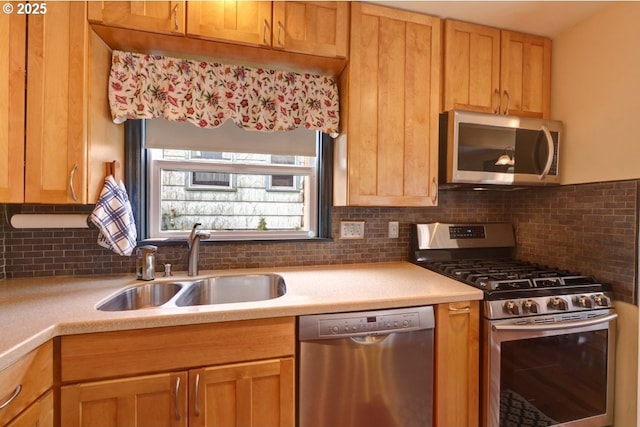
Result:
{"points": [[146, 262]]}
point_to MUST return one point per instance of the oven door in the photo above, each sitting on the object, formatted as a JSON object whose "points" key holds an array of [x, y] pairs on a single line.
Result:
{"points": [[549, 371]]}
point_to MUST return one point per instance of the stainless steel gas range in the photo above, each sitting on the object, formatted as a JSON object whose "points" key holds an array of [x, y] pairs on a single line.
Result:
{"points": [[548, 334]]}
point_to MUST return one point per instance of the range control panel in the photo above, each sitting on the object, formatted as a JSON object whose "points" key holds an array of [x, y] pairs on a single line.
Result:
{"points": [[466, 232], [368, 324]]}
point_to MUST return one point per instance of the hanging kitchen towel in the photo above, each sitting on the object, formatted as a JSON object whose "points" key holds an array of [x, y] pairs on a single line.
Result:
{"points": [[114, 218]]}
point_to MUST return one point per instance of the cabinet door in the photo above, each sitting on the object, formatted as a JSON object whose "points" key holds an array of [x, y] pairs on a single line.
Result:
{"points": [[256, 394], [471, 67], [153, 401], [317, 28], [525, 75], [56, 95], [392, 124], [154, 16], [12, 75], [247, 22], [23, 382], [457, 364], [39, 414]]}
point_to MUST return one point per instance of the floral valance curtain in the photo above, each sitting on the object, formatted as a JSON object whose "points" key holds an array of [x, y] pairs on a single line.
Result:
{"points": [[207, 94]]}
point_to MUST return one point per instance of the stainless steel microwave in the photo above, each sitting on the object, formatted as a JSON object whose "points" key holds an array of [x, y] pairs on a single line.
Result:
{"points": [[481, 149]]}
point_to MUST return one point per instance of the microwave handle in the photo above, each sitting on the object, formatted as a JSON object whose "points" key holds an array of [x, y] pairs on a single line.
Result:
{"points": [[552, 149]]}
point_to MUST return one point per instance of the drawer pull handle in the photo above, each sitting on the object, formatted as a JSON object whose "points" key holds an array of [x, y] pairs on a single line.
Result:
{"points": [[15, 394], [459, 310]]}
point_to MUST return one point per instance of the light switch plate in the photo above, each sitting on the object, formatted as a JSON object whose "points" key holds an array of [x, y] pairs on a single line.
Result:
{"points": [[352, 229]]}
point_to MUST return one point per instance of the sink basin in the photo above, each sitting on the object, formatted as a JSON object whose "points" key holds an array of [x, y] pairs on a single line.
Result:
{"points": [[229, 289], [143, 296]]}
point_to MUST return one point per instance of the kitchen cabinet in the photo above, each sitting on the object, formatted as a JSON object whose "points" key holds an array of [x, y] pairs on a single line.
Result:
{"points": [[12, 101], [70, 135], [387, 152], [254, 394], [21, 386], [317, 28], [155, 16], [231, 373], [248, 394], [497, 71], [154, 400], [456, 399], [247, 22], [39, 414]]}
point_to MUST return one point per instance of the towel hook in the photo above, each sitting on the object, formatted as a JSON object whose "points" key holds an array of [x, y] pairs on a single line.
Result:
{"points": [[113, 168]]}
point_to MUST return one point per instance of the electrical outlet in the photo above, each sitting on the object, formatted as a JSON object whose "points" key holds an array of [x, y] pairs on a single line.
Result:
{"points": [[394, 229], [352, 229]]}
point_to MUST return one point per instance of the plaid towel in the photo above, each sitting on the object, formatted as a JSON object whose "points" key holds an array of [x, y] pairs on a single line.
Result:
{"points": [[114, 218]]}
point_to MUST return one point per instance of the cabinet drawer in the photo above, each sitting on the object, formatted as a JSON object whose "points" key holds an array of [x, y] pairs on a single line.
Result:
{"points": [[125, 353], [25, 380]]}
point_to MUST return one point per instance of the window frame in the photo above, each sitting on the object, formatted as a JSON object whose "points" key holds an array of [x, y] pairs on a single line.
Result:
{"points": [[136, 165]]}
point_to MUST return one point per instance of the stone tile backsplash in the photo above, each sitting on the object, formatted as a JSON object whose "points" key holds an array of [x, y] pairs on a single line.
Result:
{"points": [[589, 228]]}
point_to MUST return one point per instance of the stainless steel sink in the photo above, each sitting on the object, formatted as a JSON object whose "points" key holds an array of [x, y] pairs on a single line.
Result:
{"points": [[212, 290], [229, 289], [143, 296]]}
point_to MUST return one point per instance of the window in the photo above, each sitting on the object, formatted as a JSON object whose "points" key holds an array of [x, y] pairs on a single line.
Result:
{"points": [[282, 182], [262, 190], [209, 180]]}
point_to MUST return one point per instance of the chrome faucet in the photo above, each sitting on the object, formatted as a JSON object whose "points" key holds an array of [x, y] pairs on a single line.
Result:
{"points": [[193, 245]]}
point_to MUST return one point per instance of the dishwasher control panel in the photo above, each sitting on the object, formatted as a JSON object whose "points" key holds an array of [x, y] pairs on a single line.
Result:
{"points": [[379, 322]]}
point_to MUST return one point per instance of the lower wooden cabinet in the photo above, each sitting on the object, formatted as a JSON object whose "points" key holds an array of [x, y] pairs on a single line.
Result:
{"points": [[222, 374], [255, 394], [457, 365], [154, 400], [25, 390], [259, 394], [39, 414]]}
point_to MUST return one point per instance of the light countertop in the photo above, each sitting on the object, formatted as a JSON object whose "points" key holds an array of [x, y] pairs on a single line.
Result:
{"points": [[35, 310]]}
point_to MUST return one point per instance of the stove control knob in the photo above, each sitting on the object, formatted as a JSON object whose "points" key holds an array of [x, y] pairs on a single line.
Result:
{"points": [[530, 306], [601, 300], [557, 303], [510, 307], [584, 301]]}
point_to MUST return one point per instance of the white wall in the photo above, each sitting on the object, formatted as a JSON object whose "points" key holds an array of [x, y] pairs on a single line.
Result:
{"points": [[596, 92]]}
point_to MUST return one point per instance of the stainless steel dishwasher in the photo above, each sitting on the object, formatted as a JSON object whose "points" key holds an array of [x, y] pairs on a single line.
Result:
{"points": [[366, 369]]}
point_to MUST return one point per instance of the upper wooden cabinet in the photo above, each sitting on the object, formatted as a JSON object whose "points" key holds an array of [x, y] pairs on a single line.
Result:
{"points": [[387, 152], [12, 99], [156, 16], [247, 22], [489, 70], [70, 135], [317, 28]]}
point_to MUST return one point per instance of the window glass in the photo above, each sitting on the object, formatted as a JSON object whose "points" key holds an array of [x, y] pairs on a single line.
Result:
{"points": [[235, 195]]}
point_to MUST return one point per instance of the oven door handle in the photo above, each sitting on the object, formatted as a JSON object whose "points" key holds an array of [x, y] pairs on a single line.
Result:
{"points": [[555, 326]]}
